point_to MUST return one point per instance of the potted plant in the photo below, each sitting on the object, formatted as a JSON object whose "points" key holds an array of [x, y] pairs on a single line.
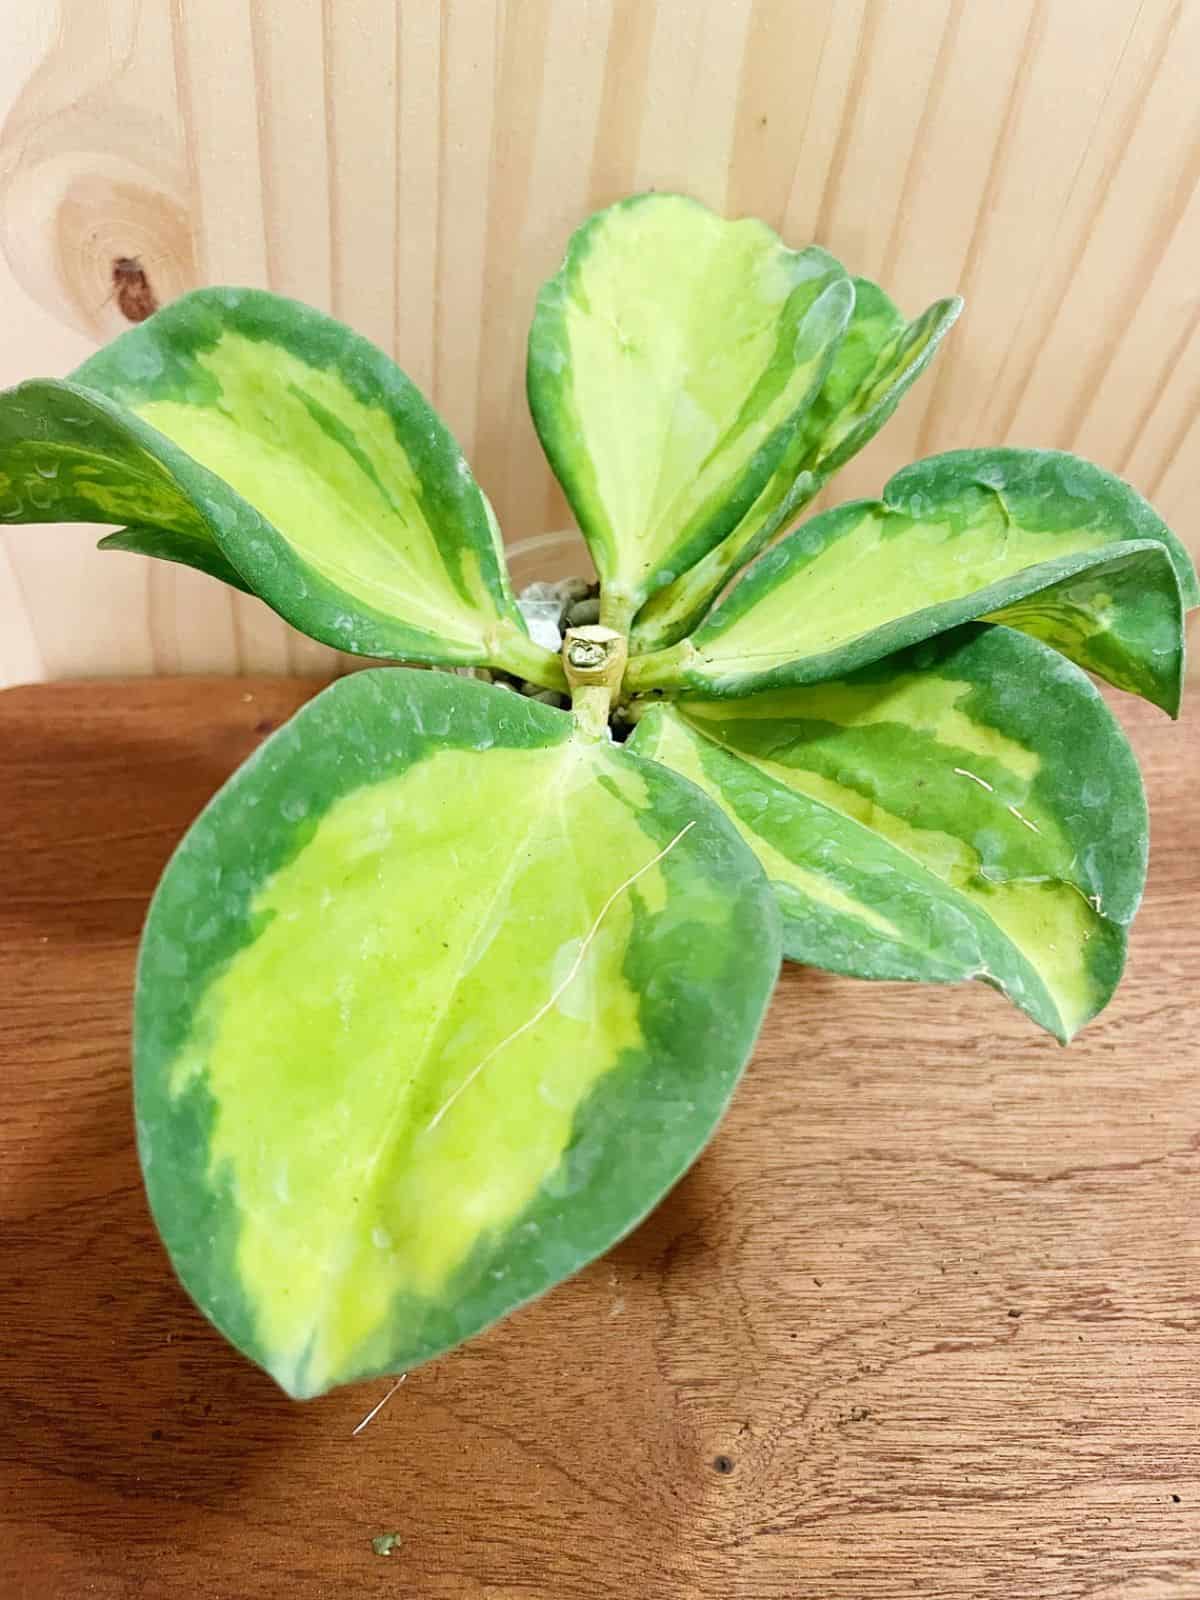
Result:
{"points": [[447, 985]]}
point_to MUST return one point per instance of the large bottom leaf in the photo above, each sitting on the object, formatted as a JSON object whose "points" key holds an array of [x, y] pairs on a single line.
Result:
{"points": [[435, 1001]]}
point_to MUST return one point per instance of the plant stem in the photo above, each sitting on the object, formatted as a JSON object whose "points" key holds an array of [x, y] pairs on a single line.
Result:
{"points": [[616, 609], [514, 651], [594, 663], [661, 669]]}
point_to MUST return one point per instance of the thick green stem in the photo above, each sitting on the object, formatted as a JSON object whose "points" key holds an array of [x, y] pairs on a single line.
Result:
{"points": [[617, 608], [591, 704], [594, 663], [514, 651], [661, 669]]}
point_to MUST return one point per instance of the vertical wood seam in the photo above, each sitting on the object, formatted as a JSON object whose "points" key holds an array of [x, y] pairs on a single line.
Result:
{"points": [[929, 111], [1072, 186], [333, 202], [1154, 392], [1023, 65], [397, 172], [868, 30], [269, 212], [262, 114], [1122, 136], [196, 217], [742, 68], [183, 96], [626, 75], [1174, 446], [808, 113], [437, 341], [1183, 191]]}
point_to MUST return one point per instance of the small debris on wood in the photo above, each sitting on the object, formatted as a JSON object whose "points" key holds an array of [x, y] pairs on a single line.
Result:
{"points": [[384, 1543]]}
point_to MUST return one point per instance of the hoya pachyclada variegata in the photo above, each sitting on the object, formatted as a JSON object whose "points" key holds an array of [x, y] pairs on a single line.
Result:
{"points": [[446, 988]]}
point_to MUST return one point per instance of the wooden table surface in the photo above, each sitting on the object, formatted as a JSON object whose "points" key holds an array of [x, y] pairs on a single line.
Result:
{"points": [[925, 1319]]}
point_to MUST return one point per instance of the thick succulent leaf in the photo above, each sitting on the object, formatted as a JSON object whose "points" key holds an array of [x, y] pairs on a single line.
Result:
{"points": [[972, 534], [672, 613], [434, 1002], [881, 358], [668, 362], [378, 539], [258, 428], [968, 809], [70, 456], [878, 360], [189, 550], [1121, 619]]}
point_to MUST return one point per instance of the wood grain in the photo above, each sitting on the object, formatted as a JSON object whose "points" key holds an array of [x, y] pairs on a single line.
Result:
{"points": [[923, 1320], [415, 169]]}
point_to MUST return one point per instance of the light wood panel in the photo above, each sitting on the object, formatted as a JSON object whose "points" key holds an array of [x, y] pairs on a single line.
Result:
{"points": [[415, 168]]}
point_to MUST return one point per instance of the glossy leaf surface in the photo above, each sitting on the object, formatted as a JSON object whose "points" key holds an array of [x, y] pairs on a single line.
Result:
{"points": [[67, 455], [976, 533], [257, 431], [969, 809], [435, 1001], [876, 363], [162, 544], [880, 359], [668, 362]]}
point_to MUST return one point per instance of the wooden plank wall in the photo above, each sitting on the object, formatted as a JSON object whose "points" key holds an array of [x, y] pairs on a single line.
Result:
{"points": [[415, 169]]}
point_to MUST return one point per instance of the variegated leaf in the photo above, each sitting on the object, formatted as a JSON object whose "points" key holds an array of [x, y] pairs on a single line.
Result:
{"points": [[197, 550], [434, 1002], [668, 362], [968, 809], [248, 435], [877, 362], [1030, 537], [880, 359]]}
